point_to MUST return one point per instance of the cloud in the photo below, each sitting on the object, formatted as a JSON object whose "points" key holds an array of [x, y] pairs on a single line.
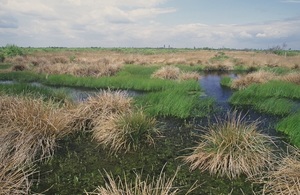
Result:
{"points": [[291, 1], [127, 23], [8, 22]]}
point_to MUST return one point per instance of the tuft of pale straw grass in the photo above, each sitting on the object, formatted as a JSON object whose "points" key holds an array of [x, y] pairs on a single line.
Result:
{"points": [[105, 102], [285, 178], [293, 77], [174, 73], [29, 127], [167, 72], [14, 179], [232, 147], [255, 77], [162, 185], [124, 131]]}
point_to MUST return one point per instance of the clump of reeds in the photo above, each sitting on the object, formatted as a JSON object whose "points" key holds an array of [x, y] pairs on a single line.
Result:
{"points": [[285, 178], [162, 185], [232, 147], [255, 77], [124, 130], [174, 73]]}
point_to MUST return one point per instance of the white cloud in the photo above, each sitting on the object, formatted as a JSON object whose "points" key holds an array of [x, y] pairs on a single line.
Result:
{"points": [[117, 23], [290, 1]]}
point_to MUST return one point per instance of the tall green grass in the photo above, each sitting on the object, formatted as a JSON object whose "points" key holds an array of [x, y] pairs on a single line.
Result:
{"points": [[290, 126], [274, 97]]}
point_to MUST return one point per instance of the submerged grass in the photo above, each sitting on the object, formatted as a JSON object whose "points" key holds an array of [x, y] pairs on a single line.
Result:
{"points": [[232, 147]]}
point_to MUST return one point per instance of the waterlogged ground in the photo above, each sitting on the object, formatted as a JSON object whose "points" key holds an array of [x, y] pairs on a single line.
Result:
{"points": [[79, 163]]}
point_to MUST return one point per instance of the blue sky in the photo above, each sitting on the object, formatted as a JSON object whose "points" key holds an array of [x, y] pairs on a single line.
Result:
{"points": [[239, 24]]}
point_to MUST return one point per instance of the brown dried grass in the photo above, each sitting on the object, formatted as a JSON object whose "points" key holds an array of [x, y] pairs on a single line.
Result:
{"points": [[232, 147], [106, 102], [285, 178], [291, 77], [255, 77], [14, 179], [124, 131], [167, 72], [174, 73], [94, 70], [162, 185], [29, 128]]}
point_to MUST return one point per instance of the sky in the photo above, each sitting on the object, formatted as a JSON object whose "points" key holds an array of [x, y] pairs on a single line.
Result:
{"points": [[238, 24]]}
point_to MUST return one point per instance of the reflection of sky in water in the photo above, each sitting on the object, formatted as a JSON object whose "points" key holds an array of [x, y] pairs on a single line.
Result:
{"points": [[76, 93]]}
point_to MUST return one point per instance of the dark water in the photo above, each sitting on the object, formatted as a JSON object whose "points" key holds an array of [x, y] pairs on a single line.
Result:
{"points": [[210, 83]]}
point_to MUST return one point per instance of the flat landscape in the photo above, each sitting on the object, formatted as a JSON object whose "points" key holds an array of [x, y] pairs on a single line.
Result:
{"points": [[145, 121]]}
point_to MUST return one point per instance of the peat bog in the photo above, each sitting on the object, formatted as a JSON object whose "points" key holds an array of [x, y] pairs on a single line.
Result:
{"points": [[185, 95]]}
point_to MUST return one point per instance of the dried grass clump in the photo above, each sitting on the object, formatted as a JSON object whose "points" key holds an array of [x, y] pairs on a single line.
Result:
{"points": [[124, 131], [29, 128], [291, 77], [256, 77], [189, 76], [285, 178], [14, 179], [94, 70], [155, 186], [167, 72], [232, 147], [104, 103], [174, 73]]}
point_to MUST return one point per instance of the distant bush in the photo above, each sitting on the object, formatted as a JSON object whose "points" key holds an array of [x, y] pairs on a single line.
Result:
{"points": [[13, 50], [2, 57]]}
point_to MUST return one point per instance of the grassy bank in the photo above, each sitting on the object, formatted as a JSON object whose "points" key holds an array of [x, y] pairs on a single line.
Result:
{"points": [[163, 98], [290, 126], [274, 97]]}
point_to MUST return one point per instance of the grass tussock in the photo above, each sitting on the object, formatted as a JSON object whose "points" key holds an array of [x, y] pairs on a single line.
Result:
{"points": [[256, 77], [106, 102], [79, 70], [263, 76], [232, 147], [162, 185], [285, 178], [124, 131], [174, 73], [29, 128], [14, 179]]}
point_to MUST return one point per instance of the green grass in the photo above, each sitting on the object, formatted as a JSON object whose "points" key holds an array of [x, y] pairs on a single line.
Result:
{"points": [[290, 126], [33, 91], [175, 102], [165, 97], [226, 81], [274, 97], [5, 66]]}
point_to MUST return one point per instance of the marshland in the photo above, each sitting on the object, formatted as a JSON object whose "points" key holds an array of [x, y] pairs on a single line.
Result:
{"points": [[149, 121]]}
